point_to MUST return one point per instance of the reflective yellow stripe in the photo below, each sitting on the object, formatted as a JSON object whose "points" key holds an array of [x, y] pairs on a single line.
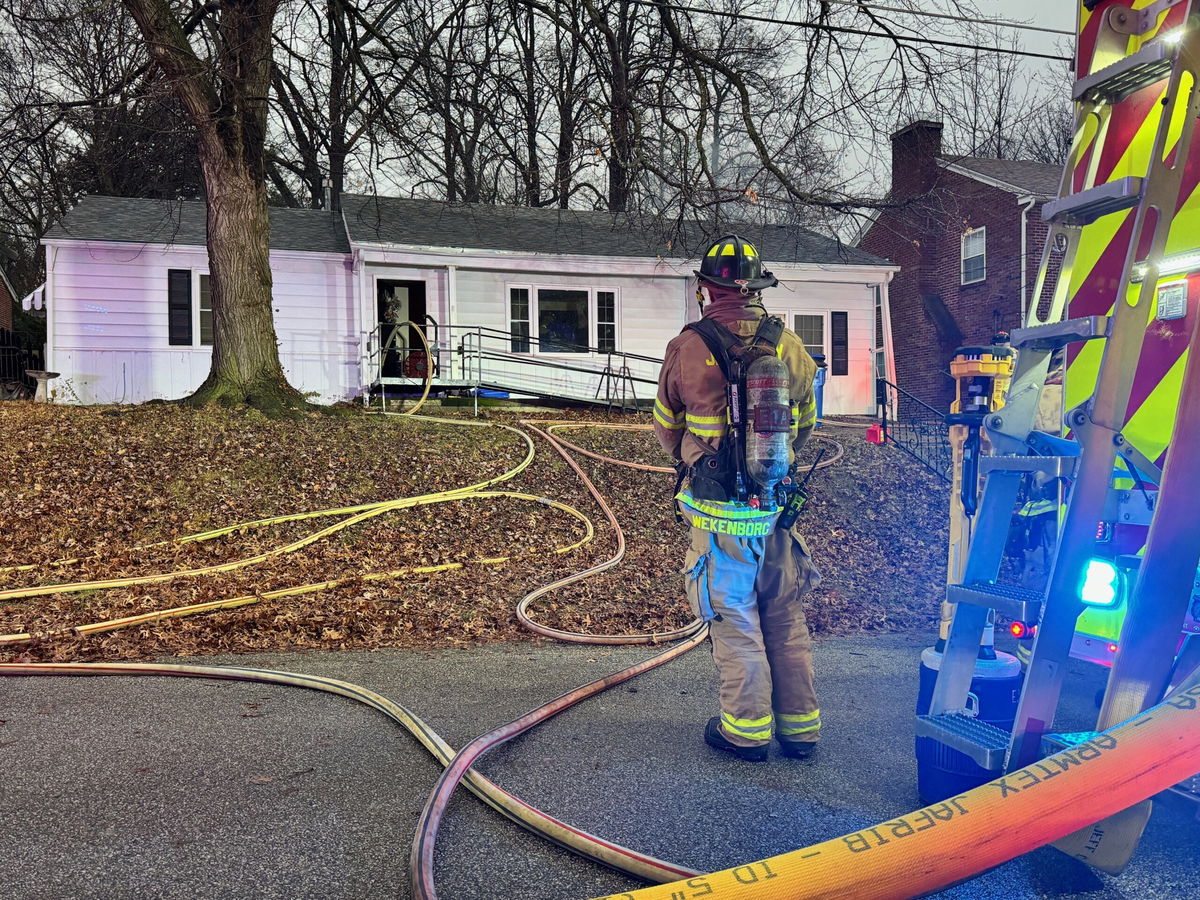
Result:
{"points": [[750, 729], [799, 724], [1039, 508], [666, 423], [727, 510], [727, 250], [808, 415], [666, 417], [707, 426]]}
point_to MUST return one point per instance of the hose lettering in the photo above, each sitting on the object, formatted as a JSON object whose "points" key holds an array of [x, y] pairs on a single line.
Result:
{"points": [[747, 875], [1187, 700], [1026, 778], [1006, 788], [905, 826]]}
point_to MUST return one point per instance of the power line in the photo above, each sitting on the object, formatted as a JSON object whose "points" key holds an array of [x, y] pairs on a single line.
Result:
{"points": [[838, 29], [935, 15]]}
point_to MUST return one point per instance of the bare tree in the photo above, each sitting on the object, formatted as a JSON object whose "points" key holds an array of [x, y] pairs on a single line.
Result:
{"points": [[223, 81]]}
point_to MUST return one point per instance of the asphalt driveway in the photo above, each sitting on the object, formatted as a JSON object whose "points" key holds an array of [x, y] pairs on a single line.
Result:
{"points": [[176, 788]]}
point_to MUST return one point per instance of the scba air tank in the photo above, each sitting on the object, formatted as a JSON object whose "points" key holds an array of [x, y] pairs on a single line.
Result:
{"points": [[768, 420]]}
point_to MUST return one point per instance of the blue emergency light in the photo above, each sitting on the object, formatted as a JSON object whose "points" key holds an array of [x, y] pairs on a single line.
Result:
{"points": [[1101, 584]]}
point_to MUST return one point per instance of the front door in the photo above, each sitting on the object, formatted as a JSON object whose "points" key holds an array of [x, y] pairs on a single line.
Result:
{"points": [[398, 302]]}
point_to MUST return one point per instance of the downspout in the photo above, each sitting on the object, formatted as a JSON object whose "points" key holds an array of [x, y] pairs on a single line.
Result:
{"points": [[48, 305], [886, 313], [452, 295], [1026, 204]]}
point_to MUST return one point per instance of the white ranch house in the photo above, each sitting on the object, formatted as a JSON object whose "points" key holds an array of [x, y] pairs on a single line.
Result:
{"points": [[558, 303]]}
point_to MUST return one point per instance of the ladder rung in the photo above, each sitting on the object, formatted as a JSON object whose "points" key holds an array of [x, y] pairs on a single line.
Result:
{"points": [[1126, 76], [1088, 206], [1056, 466], [1018, 603], [1059, 334], [982, 741]]}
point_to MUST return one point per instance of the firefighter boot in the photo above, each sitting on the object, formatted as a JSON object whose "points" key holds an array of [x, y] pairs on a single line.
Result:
{"points": [[798, 749], [714, 738]]}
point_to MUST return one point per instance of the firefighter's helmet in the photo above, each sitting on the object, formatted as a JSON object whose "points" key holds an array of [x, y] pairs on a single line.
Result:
{"points": [[734, 263]]}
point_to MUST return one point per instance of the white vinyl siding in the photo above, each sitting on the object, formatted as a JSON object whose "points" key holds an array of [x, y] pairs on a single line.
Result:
{"points": [[110, 323]]}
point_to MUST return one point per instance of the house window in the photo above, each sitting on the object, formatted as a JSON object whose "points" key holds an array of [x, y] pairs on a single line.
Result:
{"points": [[839, 334], [606, 321], [518, 319], [562, 320], [185, 322], [974, 256], [179, 307], [206, 316], [811, 331]]}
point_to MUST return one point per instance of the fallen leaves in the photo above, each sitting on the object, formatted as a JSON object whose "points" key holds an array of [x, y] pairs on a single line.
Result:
{"points": [[114, 479]]}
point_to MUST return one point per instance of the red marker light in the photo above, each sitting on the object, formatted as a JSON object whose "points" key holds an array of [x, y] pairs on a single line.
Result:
{"points": [[1018, 629], [755, 503], [1112, 648]]}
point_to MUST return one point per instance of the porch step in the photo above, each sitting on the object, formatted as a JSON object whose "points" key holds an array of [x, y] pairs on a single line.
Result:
{"points": [[1017, 603], [1127, 76], [1088, 206], [1058, 334], [986, 744]]}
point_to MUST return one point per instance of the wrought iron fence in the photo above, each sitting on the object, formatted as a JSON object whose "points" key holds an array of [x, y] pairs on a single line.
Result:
{"points": [[18, 354], [915, 427]]}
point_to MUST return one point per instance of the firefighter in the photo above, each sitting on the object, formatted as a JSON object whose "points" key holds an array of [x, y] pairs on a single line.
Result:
{"points": [[742, 574]]}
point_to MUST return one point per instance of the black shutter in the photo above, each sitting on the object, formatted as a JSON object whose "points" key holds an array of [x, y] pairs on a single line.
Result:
{"points": [[179, 307], [839, 333]]}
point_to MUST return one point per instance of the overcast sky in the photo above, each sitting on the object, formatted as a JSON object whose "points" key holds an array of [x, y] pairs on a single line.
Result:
{"points": [[1044, 13]]}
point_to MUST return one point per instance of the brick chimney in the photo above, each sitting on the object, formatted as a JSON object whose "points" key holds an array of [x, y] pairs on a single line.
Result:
{"points": [[914, 149]]}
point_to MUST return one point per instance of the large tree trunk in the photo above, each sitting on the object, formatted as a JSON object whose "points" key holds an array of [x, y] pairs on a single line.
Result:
{"points": [[245, 362], [226, 100]]}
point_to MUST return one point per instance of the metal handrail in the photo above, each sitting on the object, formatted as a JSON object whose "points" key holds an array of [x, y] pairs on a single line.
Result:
{"points": [[480, 356], [921, 432]]}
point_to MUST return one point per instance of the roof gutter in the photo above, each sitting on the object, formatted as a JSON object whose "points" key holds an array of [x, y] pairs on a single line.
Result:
{"points": [[1026, 204]]}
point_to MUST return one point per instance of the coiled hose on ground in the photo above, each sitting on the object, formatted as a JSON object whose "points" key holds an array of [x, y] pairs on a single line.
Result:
{"points": [[962, 844]]}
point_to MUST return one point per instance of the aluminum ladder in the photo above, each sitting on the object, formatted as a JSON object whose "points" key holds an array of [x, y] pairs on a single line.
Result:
{"points": [[1171, 56]]}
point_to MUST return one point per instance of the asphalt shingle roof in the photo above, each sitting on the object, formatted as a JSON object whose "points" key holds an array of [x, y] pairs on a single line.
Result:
{"points": [[432, 223], [1021, 175], [139, 221]]}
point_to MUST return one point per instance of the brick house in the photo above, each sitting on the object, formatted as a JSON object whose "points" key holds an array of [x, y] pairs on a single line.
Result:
{"points": [[968, 237], [8, 298]]}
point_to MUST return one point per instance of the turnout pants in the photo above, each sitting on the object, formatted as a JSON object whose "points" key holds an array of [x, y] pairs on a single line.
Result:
{"points": [[749, 590]]}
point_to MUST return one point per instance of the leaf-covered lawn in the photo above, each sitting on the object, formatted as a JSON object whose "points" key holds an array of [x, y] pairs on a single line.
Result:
{"points": [[94, 483]]}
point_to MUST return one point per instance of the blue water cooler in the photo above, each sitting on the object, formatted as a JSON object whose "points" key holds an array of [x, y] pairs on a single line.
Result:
{"points": [[942, 772]]}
